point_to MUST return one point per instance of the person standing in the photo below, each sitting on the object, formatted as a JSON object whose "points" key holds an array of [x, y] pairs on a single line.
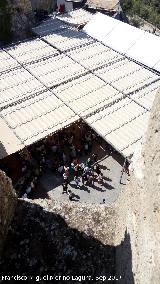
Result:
{"points": [[65, 187], [98, 170], [77, 180], [125, 168], [65, 178]]}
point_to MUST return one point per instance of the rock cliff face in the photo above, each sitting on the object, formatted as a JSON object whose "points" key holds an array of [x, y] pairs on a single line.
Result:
{"points": [[5, 21], [21, 18], [47, 5], [7, 206], [60, 239], [17, 17]]}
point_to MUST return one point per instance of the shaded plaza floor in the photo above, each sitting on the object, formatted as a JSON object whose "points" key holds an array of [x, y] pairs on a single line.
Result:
{"points": [[50, 185]]}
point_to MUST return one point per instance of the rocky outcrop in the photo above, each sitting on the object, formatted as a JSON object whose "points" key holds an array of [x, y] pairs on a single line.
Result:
{"points": [[5, 22], [108, 5], [16, 20], [7, 206], [17, 17], [21, 18], [52, 238], [47, 5]]}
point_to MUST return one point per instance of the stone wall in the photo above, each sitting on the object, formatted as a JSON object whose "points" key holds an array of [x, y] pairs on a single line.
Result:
{"points": [[7, 205]]}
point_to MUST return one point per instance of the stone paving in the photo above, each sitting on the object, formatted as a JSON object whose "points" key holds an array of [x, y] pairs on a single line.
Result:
{"points": [[111, 165]]}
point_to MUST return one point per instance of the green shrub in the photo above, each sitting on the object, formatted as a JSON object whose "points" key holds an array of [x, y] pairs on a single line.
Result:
{"points": [[149, 10]]}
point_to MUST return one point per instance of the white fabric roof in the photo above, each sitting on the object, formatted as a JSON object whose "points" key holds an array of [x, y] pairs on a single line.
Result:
{"points": [[17, 84], [87, 94], [58, 22], [9, 143], [111, 93], [145, 97], [135, 81], [124, 137], [56, 70], [133, 42], [146, 50], [29, 112], [94, 55], [7, 62], [37, 117], [118, 70], [122, 124], [67, 39], [95, 27], [30, 51], [157, 66], [125, 39]]}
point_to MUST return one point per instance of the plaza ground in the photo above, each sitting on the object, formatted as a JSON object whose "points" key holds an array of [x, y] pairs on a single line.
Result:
{"points": [[50, 185]]}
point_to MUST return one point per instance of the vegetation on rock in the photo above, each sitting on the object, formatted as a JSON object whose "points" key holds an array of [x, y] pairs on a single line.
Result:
{"points": [[149, 10]]}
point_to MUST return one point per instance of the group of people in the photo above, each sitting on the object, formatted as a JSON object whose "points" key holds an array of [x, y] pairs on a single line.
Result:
{"points": [[62, 154], [86, 173], [57, 153]]}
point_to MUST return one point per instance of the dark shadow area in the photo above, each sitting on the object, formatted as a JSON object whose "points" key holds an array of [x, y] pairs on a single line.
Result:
{"points": [[50, 180], [103, 167], [40, 192], [73, 185], [122, 183], [41, 243], [76, 196], [98, 188], [10, 164], [106, 178], [75, 200], [108, 186], [118, 157], [124, 260], [85, 188]]}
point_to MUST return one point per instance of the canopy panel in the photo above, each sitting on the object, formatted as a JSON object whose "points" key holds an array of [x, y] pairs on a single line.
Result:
{"points": [[133, 42], [48, 83]]}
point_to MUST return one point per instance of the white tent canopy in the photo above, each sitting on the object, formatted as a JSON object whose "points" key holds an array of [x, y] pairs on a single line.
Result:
{"points": [[157, 66], [100, 26], [37, 117], [31, 51], [43, 90], [125, 39], [121, 125], [133, 42], [29, 111], [146, 50]]}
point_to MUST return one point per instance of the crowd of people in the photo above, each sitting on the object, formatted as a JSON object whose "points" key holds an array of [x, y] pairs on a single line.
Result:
{"points": [[69, 154], [60, 154], [86, 173]]}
